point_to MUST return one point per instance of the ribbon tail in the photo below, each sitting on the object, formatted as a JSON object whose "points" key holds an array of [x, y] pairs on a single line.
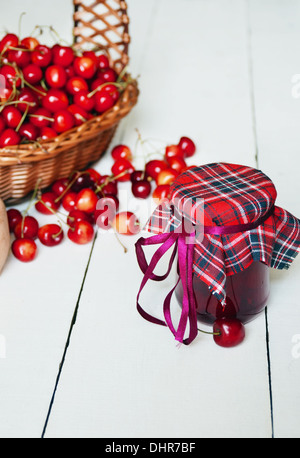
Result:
{"points": [[168, 240]]}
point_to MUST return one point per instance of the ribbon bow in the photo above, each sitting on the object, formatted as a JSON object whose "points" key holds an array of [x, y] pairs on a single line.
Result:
{"points": [[183, 245]]}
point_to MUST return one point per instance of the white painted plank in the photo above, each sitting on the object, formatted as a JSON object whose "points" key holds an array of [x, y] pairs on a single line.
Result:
{"points": [[124, 377], [276, 47]]}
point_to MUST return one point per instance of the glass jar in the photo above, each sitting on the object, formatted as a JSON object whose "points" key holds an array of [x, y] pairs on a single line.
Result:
{"points": [[247, 294]]}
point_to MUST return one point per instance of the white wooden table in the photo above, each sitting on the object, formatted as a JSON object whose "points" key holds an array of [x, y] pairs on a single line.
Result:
{"points": [[223, 72]]}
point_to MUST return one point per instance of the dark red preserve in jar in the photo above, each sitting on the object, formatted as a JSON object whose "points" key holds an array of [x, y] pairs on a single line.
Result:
{"points": [[222, 227]]}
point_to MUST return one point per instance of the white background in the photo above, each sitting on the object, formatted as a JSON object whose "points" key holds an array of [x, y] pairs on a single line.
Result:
{"points": [[221, 72]]}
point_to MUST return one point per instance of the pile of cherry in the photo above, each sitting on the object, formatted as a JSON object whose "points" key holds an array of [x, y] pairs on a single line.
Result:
{"points": [[50, 90], [88, 199]]}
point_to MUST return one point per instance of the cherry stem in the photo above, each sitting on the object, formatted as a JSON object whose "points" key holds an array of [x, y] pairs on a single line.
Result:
{"points": [[211, 333], [110, 179], [22, 119], [98, 88], [118, 239]]}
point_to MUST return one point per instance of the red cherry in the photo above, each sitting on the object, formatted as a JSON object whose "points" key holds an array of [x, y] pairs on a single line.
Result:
{"points": [[103, 61], [121, 152], [10, 40], [63, 55], [92, 55], [154, 167], [55, 100], [9, 137], [68, 201], [24, 250], [141, 189], [56, 76], [41, 56], [48, 203], [126, 223], [82, 181], [228, 332], [80, 115], [86, 200], [81, 233], [50, 235], [30, 100], [41, 117], [76, 84], [29, 131], [139, 175], [107, 74], [84, 67], [63, 121], [2, 125], [32, 73], [161, 193], [97, 84], [166, 176], [112, 90], [95, 176], [177, 163], [103, 101], [59, 186], [78, 215], [10, 75], [46, 133], [173, 151], [110, 188], [30, 43], [20, 57], [27, 228], [122, 170], [12, 116], [187, 146], [14, 216], [83, 101]]}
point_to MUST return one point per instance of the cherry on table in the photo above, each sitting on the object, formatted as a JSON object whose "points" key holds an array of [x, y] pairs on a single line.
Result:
{"points": [[48, 203], [166, 176], [177, 163], [187, 146], [78, 215], [14, 216], [121, 152], [141, 189], [228, 332], [26, 228], [68, 201], [122, 169], [126, 223], [82, 232], [105, 211], [86, 200], [154, 167], [161, 192], [173, 151], [50, 235], [24, 250]]}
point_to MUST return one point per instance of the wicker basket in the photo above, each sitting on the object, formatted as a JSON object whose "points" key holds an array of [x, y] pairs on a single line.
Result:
{"points": [[103, 23]]}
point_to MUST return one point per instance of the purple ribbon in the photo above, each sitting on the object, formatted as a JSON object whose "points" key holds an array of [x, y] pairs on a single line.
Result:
{"points": [[185, 251], [183, 243]]}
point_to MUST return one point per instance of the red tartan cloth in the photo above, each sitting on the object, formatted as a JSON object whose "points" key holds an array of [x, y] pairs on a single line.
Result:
{"points": [[231, 195]]}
